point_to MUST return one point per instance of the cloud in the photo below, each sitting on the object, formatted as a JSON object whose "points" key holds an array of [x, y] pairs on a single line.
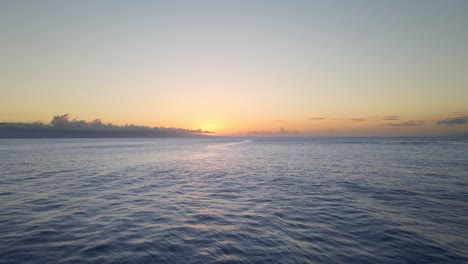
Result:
{"points": [[63, 121], [390, 118], [353, 119], [454, 121], [62, 126], [316, 118], [412, 123]]}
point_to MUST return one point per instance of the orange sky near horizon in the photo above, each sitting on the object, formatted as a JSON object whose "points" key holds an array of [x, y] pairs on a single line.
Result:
{"points": [[311, 126]]}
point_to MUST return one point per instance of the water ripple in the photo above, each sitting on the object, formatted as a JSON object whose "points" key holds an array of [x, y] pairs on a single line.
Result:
{"points": [[233, 201]]}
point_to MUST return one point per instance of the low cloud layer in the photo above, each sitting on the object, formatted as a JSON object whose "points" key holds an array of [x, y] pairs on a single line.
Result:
{"points": [[316, 118], [64, 126], [454, 121], [412, 123]]}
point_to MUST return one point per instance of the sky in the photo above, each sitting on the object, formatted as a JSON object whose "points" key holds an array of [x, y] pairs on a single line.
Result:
{"points": [[240, 68]]}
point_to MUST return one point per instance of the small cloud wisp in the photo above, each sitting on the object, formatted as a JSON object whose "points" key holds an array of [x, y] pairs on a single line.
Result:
{"points": [[388, 118], [412, 123]]}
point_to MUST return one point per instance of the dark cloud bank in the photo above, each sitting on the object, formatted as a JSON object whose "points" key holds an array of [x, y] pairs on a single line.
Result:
{"points": [[454, 121], [62, 127]]}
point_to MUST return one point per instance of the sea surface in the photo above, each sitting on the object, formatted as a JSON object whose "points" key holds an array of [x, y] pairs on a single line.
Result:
{"points": [[234, 200]]}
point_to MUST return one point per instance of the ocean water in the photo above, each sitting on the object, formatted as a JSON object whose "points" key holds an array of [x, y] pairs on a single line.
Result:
{"points": [[234, 200]]}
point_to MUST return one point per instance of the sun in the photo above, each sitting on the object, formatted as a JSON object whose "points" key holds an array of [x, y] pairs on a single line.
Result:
{"points": [[210, 127]]}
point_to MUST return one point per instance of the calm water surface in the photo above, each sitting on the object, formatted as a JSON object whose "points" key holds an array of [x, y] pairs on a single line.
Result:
{"points": [[322, 200]]}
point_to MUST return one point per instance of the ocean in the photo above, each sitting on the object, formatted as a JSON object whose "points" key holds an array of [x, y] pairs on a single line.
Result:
{"points": [[234, 200]]}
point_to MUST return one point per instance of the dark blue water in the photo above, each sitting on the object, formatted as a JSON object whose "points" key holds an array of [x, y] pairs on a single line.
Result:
{"points": [[342, 200]]}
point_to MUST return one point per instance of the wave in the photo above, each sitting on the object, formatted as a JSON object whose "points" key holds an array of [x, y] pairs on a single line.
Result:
{"points": [[230, 144]]}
